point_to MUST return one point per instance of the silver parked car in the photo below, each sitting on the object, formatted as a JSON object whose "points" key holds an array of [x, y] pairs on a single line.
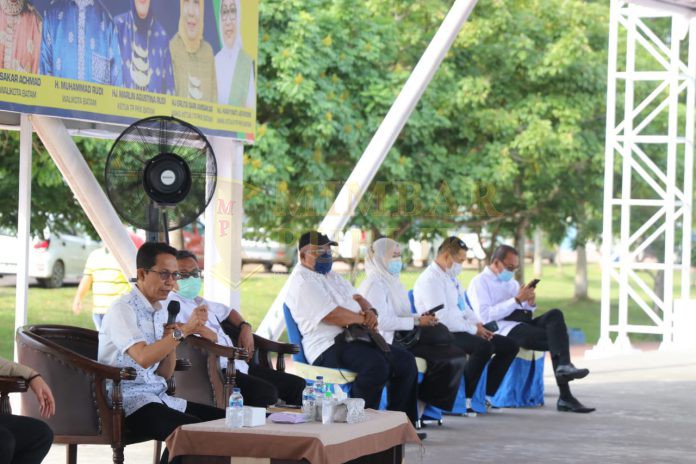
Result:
{"points": [[52, 260]]}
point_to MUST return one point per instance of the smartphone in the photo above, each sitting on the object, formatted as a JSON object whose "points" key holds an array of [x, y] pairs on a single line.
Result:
{"points": [[491, 326], [435, 309], [533, 283]]}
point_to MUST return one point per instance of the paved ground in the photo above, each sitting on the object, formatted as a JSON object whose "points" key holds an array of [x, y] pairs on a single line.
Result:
{"points": [[646, 413]]}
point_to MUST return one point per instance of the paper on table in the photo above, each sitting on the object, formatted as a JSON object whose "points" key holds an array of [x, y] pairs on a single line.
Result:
{"points": [[287, 417]]}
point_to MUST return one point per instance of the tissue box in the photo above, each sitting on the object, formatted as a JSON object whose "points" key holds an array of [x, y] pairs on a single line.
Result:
{"points": [[254, 417]]}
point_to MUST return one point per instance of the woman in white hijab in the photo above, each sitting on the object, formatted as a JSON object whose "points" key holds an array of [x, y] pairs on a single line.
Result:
{"points": [[234, 67], [383, 289]]}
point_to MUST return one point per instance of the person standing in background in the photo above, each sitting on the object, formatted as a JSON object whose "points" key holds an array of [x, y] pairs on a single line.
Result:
{"points": [[104, 277]]}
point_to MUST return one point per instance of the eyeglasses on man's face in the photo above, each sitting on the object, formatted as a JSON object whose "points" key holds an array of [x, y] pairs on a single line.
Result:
{"points": [[165, 275], [195, 274]]}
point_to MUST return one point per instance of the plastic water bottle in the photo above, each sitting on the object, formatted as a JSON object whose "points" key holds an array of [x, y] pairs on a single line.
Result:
{"points": [[309, 401], [327, 409], [319, 396], [319, 386], [234, 415]]}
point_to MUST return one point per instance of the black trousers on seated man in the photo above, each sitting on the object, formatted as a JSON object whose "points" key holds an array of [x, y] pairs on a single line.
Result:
{"points": [[158, 421], [547, 332], [480, 351], [374, 371], [262, 387], [23, 440]]}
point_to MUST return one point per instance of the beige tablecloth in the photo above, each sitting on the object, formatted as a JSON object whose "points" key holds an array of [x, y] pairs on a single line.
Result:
{"points": [[315, 442]]}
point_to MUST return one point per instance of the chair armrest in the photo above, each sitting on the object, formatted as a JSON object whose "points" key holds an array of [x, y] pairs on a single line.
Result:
{"points": [[275, 347], [80, 362], [13, 384], [10, 385], [218, 350]]}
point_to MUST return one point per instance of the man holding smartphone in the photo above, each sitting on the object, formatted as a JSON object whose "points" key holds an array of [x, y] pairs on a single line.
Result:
{"points": [[497, 297], [438, 285]]}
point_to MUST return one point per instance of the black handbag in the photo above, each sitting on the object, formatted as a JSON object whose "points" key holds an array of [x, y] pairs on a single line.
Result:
{"points": [[433, 335], [359, 333], [520, 315]]}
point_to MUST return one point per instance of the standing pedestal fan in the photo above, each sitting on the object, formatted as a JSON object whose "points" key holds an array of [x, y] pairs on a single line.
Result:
{"points": [[160, 175]]}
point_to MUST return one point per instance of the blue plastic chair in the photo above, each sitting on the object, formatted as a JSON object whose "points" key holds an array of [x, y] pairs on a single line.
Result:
{"points": [[304, 369]]}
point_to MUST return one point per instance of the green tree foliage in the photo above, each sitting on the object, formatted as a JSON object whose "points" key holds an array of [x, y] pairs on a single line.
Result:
{"points": [[509, 131], [53, 204]]}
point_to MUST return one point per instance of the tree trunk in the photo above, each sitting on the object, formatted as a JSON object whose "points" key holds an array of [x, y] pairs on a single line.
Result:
{"points": [[520, 239], [538, 258], [659, 288], [581, 273]]}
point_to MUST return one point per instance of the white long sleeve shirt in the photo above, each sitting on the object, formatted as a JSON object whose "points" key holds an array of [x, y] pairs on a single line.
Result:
{"points": [[435, 287], [217, 312], [494, 300], [391, 316]]}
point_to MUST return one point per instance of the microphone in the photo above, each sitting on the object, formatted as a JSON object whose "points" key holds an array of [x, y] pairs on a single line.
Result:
{"points": [[173, 309]]}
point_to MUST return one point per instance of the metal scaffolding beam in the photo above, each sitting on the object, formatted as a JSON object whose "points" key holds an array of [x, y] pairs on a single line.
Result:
{"points": [[648, 178]]}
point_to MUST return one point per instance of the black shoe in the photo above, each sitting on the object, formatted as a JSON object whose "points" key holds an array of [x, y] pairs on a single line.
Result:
{"points": [[572, 405], [422, 435], [470, 413], [569, 372]]}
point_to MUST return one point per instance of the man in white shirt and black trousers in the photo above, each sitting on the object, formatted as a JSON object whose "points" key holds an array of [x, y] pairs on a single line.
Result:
{"points": [[438, 285], [496, 296], [322, 303], [260, 386]]}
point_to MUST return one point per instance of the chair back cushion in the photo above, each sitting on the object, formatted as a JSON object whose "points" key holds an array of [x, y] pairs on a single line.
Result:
{"points": [[202, 380], [412, 301], [294, 334], [73, 388]]}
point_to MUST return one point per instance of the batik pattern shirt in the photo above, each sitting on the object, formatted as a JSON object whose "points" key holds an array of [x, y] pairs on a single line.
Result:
{"points": [[80, 41], [130, 320], [147, 63]]}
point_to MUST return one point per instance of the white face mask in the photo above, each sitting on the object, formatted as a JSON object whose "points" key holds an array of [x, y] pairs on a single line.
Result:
{"points": [[455, 270]]}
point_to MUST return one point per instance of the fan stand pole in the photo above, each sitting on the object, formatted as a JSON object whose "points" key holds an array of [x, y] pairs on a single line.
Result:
{"points": [[153, 219], [165, 227]]}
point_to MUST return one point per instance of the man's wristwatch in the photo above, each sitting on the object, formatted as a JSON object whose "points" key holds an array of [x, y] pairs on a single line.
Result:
{"points": [[177, 334], [246, 324]]}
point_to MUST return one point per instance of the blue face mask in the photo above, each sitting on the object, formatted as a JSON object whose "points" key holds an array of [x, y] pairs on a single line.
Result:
{"points": [[190, 288], [323, 263], [394, 267], [506, 275]]}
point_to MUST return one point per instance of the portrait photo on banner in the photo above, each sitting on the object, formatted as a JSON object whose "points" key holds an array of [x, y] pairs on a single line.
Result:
{"points": [[200, 50]]}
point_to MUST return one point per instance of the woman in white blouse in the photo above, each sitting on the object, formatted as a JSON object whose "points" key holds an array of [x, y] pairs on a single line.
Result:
{"points": [[385, 292]]}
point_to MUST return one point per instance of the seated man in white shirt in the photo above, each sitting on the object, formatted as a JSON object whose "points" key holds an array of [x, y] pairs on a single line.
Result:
{"points": [[496, 296], [135, 334], [322, 304], [438, 284], [260, 386]]}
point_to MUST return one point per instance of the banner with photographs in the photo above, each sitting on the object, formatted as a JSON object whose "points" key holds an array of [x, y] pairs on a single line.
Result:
{"points": [[122, 60]]}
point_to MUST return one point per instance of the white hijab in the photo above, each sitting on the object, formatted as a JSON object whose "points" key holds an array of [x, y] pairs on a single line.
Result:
{"points": [[226, 58], [376, 262]]}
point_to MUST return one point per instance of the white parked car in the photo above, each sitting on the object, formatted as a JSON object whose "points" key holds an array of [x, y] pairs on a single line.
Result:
{"points": [[53, 260]]}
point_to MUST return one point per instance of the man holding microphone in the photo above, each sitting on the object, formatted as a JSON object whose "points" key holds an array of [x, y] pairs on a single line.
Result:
{"points": [[139, 332]]}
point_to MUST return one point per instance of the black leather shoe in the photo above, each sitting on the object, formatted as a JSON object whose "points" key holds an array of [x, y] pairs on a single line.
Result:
{"points": [[572, 405], [569, 372], [422, 435]]}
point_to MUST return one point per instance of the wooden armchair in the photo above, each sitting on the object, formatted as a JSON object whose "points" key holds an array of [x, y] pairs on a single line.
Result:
{"points": [[10, 385], [264, 348], [66, 357], [204, 382]]}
